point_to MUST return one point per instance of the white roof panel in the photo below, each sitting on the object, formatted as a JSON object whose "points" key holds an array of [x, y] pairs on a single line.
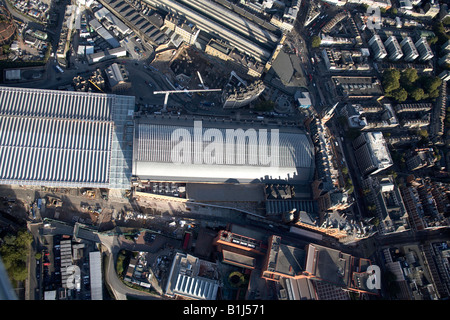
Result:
{"points": [[95, 268]]}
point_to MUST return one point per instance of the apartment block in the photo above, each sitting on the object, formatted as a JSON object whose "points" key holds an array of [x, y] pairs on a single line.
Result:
{"points": [[425, 52], [377, 46], [393, 48]]}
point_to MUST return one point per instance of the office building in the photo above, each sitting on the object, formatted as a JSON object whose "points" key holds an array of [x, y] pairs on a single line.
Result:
{"points": [[189, 278], [371, 152], [338, 268], [117, 77], [425, 52], [393, 48], [187, 31], [237, 97]]}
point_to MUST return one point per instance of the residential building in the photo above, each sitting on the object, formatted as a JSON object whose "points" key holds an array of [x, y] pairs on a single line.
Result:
{"points": [[418, 123], [386, 118], [445, 48], [393, 48], [377, 46], [383, 193], [372, 153], [445, 75], [431, 9], [237, 97], [420, 158], [357, 87], [354, 113], [425, 52], [345, 60], [413, 107], [444, 60]]}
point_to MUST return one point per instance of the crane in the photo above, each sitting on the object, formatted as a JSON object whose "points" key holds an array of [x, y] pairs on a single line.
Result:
{"points": [[201, 81], [168, 92]]}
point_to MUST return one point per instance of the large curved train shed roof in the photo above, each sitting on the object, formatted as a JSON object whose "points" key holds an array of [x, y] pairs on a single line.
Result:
{"points": [[157, 145]]}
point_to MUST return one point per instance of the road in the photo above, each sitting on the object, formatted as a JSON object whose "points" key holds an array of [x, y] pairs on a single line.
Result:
{"points": [[118, 288]]}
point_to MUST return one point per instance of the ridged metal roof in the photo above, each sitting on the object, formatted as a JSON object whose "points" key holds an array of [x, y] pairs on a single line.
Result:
{"points": [[55, 104], [60, 138], [153, 146]]}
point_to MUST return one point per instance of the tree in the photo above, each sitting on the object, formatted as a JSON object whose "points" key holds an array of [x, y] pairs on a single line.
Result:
{"points": [[315, 43], [433, 40], [433, 94], [422, 133], [391, 80], [418, 94], [446, 21], [430, 83], [439, 30], [393, 11], [400, 95], [14, 251], [345, 170], [408, 76]]}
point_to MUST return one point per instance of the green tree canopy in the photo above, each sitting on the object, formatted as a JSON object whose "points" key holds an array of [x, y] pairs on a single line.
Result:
{"points": [[14, 251], [418, 94], [391, 80], [315, 42], [409, 76], [431, 83], [400, 94]]}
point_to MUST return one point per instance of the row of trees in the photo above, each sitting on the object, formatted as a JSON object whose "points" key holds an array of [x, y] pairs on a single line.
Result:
{"points": [[408, 84]]}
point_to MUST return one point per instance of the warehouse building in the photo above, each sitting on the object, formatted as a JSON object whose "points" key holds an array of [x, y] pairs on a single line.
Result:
{"points": [[182, 150], [65, 139]]}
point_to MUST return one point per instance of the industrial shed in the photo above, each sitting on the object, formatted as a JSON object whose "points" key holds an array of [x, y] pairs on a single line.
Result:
{"points": [[64, 139], [153, 158]]}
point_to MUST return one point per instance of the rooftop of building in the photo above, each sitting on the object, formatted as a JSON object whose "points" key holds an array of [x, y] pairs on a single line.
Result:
{"points": [[153, 152], [32, 118]]}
